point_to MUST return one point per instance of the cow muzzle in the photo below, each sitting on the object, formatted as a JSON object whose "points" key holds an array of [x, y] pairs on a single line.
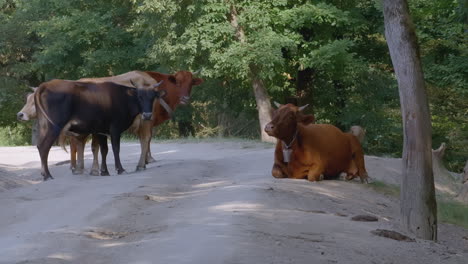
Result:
{"points": [[22, 116], [184, 100], [269, 129], [146, 116]]}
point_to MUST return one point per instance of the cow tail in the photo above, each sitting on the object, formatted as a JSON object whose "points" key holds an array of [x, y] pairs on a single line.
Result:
{"points": [[37, 98], [62, 140]]}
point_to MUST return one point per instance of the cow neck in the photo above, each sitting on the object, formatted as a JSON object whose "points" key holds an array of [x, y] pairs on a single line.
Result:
{"points": [[288, 146]]}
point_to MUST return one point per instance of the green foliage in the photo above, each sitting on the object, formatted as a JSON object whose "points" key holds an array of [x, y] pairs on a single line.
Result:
{"points": [[327, 53], [15, 135]]}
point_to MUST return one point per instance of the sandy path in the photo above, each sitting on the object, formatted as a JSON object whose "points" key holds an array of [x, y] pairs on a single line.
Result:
{"points": [[201, 203]]}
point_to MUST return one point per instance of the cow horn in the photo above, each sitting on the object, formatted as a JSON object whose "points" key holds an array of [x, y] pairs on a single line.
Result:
{"points": [[158, 84], [303, 107], [197, 72], [278, 105], [131, 81], [166, 107]]}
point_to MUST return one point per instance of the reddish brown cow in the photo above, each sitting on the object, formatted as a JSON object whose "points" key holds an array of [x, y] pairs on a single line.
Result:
{"points": [[178, 88], [312, 151]]}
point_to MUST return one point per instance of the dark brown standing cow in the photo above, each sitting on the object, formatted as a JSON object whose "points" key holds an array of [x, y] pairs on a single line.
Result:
{"points": [[82, 108], [178, 88], [312, 151]]}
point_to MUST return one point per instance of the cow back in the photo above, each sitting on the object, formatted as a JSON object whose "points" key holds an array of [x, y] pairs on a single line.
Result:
{"points": [[326, 143]]}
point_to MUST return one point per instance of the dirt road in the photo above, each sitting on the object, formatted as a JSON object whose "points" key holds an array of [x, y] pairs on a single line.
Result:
{"points": [[201, 203]]}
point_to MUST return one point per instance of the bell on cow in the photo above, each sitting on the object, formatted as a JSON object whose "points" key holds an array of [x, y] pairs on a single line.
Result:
{"points": [[287, 155]]}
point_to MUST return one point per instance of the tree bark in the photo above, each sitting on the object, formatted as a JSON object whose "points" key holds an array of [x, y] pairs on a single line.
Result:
{"points": [[261, 95], [263, 107], [418, 203]]}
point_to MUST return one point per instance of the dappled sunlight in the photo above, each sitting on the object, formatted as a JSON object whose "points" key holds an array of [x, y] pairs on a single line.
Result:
{"points": [[167, 152], [61, 256], [210, 184], [113, 244], [174, 196], [444, 189], [238, 206]]}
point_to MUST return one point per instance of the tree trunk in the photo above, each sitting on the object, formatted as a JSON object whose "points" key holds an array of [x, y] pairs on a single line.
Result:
{"points": [[263, 107], [261, 94], [418, 204]]}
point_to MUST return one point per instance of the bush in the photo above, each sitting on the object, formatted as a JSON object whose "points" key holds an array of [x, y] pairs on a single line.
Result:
{"points": [[15, 135]]}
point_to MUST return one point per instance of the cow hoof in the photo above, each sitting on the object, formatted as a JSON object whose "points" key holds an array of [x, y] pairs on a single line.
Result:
{"points": [[77, 172], [320, 178], [48, 177], [150, 160], [122, 171], [94, 173], [140, 168], [105, 173]]}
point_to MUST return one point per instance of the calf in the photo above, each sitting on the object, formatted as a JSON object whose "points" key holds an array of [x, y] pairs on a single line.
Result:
{"points": [[312, 151], [81, 108]]}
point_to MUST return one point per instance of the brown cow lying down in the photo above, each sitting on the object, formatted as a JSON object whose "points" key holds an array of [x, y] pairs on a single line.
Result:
{"points": [[312, 151]]}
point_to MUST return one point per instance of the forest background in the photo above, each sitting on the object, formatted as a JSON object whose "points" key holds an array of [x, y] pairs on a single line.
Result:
{"points": [[329, 54]]}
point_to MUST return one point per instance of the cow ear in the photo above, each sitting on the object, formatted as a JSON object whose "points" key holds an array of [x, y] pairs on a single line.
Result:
{"points": [[172, 79], [33, 89], [197, 81], [307, 119]]}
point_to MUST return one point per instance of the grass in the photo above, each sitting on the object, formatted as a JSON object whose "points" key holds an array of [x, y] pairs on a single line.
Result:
{"points": [[448, 210], [384, 188], [453, 212]]}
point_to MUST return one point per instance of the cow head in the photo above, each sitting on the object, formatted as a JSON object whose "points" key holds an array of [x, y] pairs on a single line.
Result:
{"points": [[146, 98], [285, 119], [184, 80], [28, 111], [465, 173]]}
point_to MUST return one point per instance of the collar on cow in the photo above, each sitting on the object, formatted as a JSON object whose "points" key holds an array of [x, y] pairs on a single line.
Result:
{"points": [[288, 146], [166, 107]]}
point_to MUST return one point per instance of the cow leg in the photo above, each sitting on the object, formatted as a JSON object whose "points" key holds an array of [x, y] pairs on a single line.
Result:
{"points": [[280, 168], [115, 140], [45, 143], [102, 140], [145, 138], [72, 154], [315, 173], [149, 157], [80, 142], [278, 171], [95, 149]]}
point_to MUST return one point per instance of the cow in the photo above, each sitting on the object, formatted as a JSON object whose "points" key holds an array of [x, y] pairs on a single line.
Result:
{"points": [[312, 151], [81, 108], [178, 88]]}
